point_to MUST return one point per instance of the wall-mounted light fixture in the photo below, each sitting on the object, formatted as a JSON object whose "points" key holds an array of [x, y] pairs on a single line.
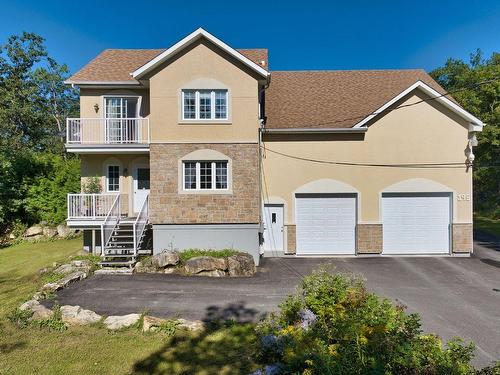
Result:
{"points": [[96, 107], [125, 172]]}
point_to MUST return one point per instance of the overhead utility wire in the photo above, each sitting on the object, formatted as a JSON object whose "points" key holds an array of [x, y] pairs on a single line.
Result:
{"points": [[408, 165]]}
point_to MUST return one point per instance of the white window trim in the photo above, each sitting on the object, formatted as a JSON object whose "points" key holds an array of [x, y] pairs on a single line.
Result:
{"points": [[198, 175], [137, 110], [212, 106], [107, 178]]}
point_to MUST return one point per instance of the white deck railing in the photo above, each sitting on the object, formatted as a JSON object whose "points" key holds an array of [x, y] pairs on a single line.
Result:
{"points": [[107, 131], [140, 223], [109, 223], [90, 206]]}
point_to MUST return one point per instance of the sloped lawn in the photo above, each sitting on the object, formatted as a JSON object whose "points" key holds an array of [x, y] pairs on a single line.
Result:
{"points": [[94, 350]]}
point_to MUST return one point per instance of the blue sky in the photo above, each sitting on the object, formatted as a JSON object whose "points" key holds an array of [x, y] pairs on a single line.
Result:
{"points": [[300, 35]]}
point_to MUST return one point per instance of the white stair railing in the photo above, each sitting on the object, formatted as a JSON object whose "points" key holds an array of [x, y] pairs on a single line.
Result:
{"points": [[109, 223], [140, 223]]}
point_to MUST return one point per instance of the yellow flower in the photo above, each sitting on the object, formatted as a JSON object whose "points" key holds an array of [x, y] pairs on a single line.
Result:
{"points": [[332, 350]]}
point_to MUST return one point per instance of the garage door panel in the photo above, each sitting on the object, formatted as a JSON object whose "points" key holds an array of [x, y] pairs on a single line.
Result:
{"points": [[416, 223], [325, 224]]}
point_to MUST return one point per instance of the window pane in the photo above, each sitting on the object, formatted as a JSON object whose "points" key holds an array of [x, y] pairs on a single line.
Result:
{"points": [[143, 178], [113, 178], [190, 175], [221, 175], [205, 105], [205, 175], [221, 104], [189, 104]]}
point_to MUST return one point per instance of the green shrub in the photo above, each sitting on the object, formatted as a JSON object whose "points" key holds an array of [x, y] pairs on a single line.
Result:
{"points": [[169, 327], [54, 323], [46, 198], [92, 185], [192, 253], [20, 318], [93, 259], [333, 325]]}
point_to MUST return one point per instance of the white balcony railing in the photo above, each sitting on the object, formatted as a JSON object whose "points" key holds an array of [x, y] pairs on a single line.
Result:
{"points": [[107, 131], [90, 206]]}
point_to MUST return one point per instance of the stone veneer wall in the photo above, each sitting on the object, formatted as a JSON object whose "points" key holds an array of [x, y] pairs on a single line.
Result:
{"points": [[167, 206], [291, 246], [369, 238], [462, 237]]}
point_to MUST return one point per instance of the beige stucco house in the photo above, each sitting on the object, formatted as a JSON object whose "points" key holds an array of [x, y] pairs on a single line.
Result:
{"points": [[202, 145]]}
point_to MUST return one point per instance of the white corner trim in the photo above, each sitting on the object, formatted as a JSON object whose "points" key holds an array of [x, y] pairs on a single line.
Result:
{"points": [[195, 35], [434, 94]]}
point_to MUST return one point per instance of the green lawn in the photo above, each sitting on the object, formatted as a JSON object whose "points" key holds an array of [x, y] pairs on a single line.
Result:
{"points": [[94, 350], [487, 224]]}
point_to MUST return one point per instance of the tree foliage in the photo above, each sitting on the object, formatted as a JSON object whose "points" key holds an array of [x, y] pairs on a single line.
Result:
{"points": [[34, 102], [464, 80]]}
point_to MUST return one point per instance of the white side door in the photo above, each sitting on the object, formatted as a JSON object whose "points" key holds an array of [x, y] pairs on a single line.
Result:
{"points": [[326, 224], [141, 187], [416, 223], [273, 227]]}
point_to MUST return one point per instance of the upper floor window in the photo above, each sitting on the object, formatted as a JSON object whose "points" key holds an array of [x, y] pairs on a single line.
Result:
{"points": [[204, 105], [205, 175]]}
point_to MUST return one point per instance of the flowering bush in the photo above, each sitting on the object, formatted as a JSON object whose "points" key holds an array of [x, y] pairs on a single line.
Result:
{"points": [[333, 325]]}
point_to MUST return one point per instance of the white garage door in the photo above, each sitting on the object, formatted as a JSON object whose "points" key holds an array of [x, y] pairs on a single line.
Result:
{"points": [[326, 224], [416, 223]]}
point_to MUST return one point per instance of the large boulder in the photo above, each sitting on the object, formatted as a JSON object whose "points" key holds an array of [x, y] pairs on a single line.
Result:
{"points": [[213, 273], [40, 312], [65, 281], [241, 265], [205, 263], [121, 321], [65, 269], [35, 230], [49, 232], [63, 231], [151, 323], [192, 325], [75, 315], [166, 258]]}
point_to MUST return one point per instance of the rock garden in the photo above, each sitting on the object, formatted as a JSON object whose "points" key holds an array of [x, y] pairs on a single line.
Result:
{"points": [[196, 262]]}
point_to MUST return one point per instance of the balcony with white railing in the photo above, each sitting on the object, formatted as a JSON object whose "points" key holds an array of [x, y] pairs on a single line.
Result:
{"points": [[84, 206], [113, 132]]}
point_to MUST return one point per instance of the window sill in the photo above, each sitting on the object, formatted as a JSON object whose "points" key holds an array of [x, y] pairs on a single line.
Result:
{"points": [[205, 122], [206, 192]]}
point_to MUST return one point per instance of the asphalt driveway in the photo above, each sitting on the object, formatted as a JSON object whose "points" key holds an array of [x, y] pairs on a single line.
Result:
{"points": [[455, 296]]}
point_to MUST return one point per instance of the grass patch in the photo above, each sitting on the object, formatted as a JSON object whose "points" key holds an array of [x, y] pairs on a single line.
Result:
{"points": [[487, 224], [51, 277], [192, 253], [44, 349]]}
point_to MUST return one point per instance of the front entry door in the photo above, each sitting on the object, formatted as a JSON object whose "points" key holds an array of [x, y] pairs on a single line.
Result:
{"points": [[273, 227], [141, 187]]}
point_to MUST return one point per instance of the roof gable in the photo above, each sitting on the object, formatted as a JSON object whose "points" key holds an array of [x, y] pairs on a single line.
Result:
{"points": [[434, 95], [186, 42]]}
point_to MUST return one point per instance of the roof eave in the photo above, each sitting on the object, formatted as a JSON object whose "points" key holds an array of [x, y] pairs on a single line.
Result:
{"points": [[314, 130]]}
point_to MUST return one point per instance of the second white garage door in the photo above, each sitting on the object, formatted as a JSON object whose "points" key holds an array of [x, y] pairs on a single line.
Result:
{"points": [[416, 223], [325, 224]]}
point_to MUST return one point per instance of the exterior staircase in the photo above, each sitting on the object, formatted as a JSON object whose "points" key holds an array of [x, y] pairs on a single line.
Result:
{"points": [[119, 251], [124, 239]]}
